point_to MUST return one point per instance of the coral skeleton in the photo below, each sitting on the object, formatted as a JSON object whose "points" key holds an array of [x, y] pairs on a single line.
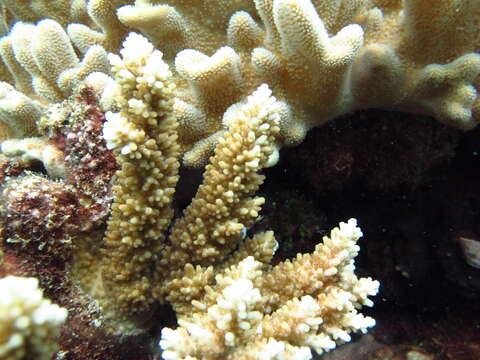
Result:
{"points": [[112, 98]]}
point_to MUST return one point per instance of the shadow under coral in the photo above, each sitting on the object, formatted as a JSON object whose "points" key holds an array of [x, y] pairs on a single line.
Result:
{"points": [[412, 183]]}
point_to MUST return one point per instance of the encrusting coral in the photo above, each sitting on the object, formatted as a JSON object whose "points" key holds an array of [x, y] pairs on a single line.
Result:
{"points": [[220, 84], [42, 217]]}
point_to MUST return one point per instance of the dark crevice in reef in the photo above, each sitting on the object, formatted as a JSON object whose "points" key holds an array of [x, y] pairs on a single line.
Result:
{"points": [[412, 183]]}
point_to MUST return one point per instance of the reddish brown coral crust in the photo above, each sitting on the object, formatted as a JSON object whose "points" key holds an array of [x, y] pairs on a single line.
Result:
{"points": [[10, 168], [53, 212], [90, 164], [40, 209]]}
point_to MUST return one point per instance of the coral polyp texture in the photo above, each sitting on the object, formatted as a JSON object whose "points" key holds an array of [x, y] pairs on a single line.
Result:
{"points": [[30, 323], [256, 311], [321, 59], [103, 103]]}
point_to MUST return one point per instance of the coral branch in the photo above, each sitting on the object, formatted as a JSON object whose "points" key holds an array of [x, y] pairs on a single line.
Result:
{"points": [[30, 322], [242, 316], [143, 136]]}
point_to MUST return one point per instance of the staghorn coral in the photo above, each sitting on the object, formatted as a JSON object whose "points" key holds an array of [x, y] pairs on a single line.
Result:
{"points": [[143, 136], [195, 267], [320, 58], [255, 311], [213, 225], [30, 322]]}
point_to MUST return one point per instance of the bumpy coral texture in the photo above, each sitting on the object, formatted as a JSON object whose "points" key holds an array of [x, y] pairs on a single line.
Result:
{"points": [[143, 137], [255, 311], [221, 285], [138, 257], [29, 323], [321, 58], [223, 84]]}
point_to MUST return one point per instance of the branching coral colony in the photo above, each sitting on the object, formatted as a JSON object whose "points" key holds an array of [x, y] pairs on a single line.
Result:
{"points": [[237, 80]]}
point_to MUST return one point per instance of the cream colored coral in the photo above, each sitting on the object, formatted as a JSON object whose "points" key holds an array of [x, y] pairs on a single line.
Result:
{"points": [[34, 10], [143, 137], [18, 112], [454, 95], [163, 25], [212, 225], [39, 149], [215, 223], [51, 41], [242, 316], [177, 26], [21, 77], [431, 24], [29, 323], [316, 63], [395, 71], [184, 21], [42, 58], [103, 29], [4, 19], [321, 58], [189, 284]]}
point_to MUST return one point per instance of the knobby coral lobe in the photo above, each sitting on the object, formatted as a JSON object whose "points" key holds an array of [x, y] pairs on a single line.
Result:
{"points": [[221, 85]]}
